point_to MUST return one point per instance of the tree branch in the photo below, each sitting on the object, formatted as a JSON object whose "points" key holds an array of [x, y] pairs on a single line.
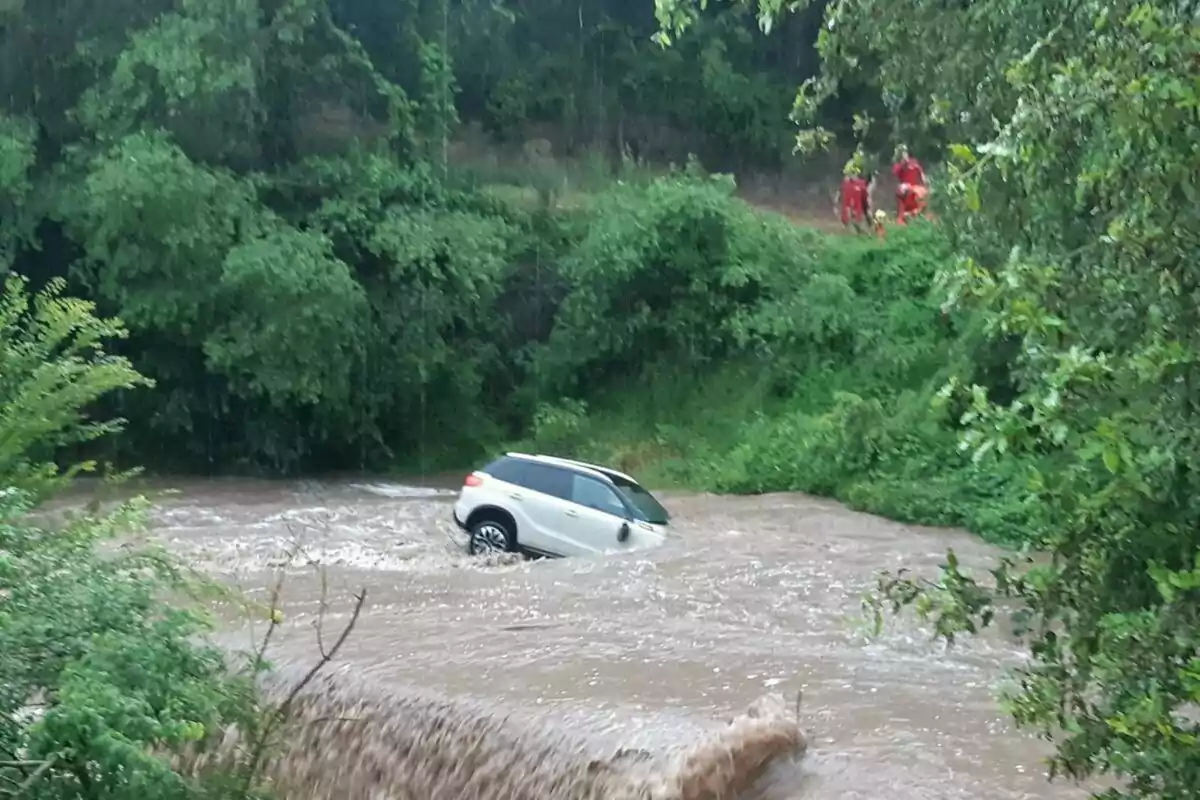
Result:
{"points": [[280, 713]]}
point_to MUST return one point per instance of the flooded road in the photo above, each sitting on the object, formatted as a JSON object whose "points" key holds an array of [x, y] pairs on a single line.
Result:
{"points": [[751, 595]]}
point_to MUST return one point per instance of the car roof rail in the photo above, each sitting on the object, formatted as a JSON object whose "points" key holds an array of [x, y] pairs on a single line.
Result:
{"points": [[564, 463], [605, 472]]}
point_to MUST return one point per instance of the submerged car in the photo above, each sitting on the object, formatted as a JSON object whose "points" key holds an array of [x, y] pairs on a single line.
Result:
{"points": [[547, 506]]}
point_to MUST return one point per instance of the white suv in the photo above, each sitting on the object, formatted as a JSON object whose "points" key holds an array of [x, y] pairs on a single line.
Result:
{"points": [[546, 506]]}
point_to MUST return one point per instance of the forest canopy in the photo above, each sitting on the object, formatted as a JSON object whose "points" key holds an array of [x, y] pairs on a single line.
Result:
{"points": [[283, 201]]}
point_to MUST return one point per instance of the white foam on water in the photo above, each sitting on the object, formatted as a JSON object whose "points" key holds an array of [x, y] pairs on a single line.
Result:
{"points": [[273, 552], [400, 491]]}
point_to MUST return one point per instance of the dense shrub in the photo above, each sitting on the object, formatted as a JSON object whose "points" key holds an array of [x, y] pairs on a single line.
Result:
{"points": [[100, 679], [663, 271]]}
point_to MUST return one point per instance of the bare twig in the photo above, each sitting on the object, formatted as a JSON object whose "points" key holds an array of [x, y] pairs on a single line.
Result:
{"points": [[280, 713], [321, 609], [274, 617], [359, 600], [274, 611], [260, 655]]}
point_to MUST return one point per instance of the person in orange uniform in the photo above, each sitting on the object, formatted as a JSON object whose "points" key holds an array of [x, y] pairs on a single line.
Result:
{"points": [[911, 191], [856, 202]]}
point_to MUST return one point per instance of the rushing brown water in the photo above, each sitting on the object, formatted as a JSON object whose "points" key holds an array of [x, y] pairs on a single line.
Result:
{"points": [[650, 650]]}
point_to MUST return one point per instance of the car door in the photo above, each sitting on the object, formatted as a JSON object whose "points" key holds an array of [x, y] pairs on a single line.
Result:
{"points": [[598, 515], [509, 488], [546, 506]]}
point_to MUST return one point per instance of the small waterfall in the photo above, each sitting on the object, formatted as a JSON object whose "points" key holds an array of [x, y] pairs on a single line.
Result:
{"points": [[346, 739]]}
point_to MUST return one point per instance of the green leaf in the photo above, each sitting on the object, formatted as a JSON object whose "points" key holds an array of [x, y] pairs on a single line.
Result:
{"points": [[963, 154]]}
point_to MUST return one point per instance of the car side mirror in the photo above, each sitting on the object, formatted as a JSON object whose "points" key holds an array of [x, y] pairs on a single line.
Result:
{"points": [[623, 532]]}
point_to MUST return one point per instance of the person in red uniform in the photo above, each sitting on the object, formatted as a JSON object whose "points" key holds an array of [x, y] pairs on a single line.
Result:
{"points": [[856, 200], [911, 191]]}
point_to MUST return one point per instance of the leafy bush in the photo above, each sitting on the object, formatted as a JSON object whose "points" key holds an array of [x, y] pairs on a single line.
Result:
{"points": [[661, 272], [53, 366], [812, 454], [560, 428], [100, 679], [894, 458]]}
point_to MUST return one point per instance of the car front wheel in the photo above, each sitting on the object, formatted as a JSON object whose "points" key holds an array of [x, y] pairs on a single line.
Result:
{"points": [[490, 536]]}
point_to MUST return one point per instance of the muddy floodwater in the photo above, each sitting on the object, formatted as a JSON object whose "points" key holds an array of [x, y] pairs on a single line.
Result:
{"points": [[752, 595]]}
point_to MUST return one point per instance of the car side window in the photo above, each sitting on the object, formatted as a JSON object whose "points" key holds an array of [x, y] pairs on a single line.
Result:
{"points": [[592, 493], [509, 470], [547, 480]]}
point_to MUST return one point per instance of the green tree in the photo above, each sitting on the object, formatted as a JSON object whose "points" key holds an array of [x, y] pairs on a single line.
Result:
{"points": [[53, 368], [662, 271], [100, 680], [265, 192], [17, 156]]}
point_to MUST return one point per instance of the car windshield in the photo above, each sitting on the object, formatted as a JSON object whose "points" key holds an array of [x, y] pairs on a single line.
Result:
{"points": [[647, 507]]}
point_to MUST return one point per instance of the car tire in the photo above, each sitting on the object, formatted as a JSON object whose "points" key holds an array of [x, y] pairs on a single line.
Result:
{"points": [[490, 535]]}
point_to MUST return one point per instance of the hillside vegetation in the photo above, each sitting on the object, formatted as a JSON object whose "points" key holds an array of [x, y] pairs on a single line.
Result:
{"points": [[316, 276], [831, 384]]}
